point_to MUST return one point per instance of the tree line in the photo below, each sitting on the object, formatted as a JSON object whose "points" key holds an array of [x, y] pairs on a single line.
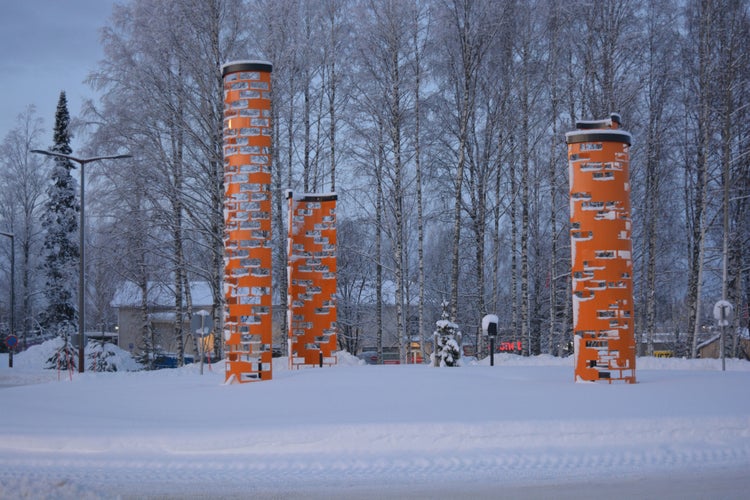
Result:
{"points": [[441, 126]]}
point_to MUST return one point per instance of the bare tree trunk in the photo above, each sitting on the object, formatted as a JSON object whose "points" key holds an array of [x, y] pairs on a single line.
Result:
{"points": [[496, 240], [179, 270], [479, 241], [147, 333], [705, 77], [397, 199], [280, 250], [552, 174], [333, 9], [552, 333], [514, 306], [177, 216], [418, 173], [379, 244], [189, 313], [457, 208], [525, 201], [307, 82]]}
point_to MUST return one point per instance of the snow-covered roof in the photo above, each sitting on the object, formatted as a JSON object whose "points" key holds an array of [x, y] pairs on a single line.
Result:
{"points": [[161, 294], [709, 341]]}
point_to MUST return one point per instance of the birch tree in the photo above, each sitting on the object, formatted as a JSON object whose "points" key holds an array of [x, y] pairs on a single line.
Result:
{"points": [[700, 57], [660, 75], [385, 59], [23, 180], [470, 29]]}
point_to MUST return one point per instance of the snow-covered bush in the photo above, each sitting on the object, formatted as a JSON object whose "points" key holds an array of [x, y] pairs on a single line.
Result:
{"points": [[64, 355], [107, 357], [60, 354], [447, 341]]}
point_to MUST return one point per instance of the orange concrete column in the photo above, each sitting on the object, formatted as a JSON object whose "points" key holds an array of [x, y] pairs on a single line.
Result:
{"points": [[312, 280], [247, 212], [601, 251]]}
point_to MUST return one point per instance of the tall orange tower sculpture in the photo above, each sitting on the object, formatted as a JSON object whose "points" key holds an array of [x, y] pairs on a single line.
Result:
{"points": [[312, 280], [598, 162], [247, 212]]}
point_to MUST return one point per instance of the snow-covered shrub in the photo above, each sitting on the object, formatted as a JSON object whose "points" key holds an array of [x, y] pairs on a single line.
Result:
{"points": [[64, 354], [107, 357], [447, 341]]}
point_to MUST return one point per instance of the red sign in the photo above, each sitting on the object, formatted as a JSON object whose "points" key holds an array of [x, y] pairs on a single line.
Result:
{"points": [[509, 346]]}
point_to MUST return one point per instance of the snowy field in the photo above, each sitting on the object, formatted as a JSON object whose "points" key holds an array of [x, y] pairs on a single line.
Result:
{"points": [[520, 429]]}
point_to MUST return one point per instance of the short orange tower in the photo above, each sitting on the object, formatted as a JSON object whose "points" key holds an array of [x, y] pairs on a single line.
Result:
{"points": [[247, 213], [602, 270], [312, 280]]}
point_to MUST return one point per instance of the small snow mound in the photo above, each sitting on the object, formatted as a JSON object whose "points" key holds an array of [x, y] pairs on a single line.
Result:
{"points": [[36, 356], [344, 358]]}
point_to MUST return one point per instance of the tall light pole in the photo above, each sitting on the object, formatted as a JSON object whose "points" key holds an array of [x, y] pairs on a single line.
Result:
{"points": [[12, 289], [82, 232]]}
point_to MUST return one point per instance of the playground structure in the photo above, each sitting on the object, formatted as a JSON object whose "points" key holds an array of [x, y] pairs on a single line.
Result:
{"points": [[601, 251], [247, 208], [311, 273]]}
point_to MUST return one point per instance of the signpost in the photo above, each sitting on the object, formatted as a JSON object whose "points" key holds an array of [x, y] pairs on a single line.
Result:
{"points": [[202, 323], [489, 325], [11, 341], [723, 313]]}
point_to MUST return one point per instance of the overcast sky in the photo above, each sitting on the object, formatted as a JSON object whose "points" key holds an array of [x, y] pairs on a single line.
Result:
{"points": [[47, 46]]}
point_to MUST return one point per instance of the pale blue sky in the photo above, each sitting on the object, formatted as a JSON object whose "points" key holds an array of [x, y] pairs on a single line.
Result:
{"points": [[47, 46]]}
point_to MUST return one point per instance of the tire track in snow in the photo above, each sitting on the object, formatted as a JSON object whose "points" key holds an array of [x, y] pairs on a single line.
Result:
{"points": [[160, 474]]}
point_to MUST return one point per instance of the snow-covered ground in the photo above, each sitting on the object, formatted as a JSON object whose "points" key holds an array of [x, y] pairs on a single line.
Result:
{"points": [[520, 429]]}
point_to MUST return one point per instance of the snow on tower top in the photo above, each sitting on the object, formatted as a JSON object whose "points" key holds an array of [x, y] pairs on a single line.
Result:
{"points": [[245, 65], [606, 130], [612, 122], [331, 196]]}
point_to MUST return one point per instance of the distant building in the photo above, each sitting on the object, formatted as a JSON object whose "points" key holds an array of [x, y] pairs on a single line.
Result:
{"points": [[711, 348], [161, 314]]}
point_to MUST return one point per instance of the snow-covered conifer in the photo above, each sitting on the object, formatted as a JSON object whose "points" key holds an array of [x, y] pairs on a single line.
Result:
{"points": [[64, 356], [60, 222], [102, 356], [447, 341]]}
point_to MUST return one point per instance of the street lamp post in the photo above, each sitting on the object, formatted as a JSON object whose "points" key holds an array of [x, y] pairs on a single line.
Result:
{"points": [[12, 289], [81, 231]]}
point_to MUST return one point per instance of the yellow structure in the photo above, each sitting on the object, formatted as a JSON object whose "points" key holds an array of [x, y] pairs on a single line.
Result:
{"points": [[601, 251], [247, 209], [312, 280]]}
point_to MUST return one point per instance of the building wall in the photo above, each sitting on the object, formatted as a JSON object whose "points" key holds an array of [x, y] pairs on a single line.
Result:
{"points": [[713, 349], [129, 324]]}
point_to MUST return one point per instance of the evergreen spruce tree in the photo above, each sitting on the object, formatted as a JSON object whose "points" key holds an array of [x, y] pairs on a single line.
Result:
{"points": [[60, 222], [447, 341]]}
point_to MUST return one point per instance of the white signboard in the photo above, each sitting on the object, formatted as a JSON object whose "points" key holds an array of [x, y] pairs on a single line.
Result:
{"points": [[723, 312]]}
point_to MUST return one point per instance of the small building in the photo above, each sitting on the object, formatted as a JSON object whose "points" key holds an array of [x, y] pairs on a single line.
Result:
{"points": [[160, 313], [711, 348]]}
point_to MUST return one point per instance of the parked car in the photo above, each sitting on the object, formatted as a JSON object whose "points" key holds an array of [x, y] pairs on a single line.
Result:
{"points": [[169, 360]]}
